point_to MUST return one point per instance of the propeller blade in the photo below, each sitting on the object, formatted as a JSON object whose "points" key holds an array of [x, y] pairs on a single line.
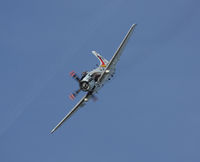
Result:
{"points": [[73, 95], [75, 76]]}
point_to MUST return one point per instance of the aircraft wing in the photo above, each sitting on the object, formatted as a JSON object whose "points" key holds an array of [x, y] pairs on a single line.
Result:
{"points": [[117, 54], [78, 105]]}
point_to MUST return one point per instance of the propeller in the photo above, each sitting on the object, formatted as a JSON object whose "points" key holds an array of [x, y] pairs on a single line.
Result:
{"points": [[75, 76], [73, 95]]}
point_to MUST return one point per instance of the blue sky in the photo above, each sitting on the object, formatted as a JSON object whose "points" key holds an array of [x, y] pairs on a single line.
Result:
{"points": [[148, 112]]}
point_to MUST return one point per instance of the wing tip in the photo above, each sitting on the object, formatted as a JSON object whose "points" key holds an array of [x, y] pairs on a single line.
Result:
{"points": [[53, 130], [134, 25]]}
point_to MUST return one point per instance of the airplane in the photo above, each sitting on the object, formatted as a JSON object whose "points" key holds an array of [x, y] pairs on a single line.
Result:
{"points": [[91, 82]]}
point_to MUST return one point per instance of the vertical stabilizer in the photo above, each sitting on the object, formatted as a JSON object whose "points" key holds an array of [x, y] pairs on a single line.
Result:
{"points": [[103, 61]]}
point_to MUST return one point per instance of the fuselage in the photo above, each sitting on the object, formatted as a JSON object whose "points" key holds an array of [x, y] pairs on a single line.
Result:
{"points": [[89, 83]]}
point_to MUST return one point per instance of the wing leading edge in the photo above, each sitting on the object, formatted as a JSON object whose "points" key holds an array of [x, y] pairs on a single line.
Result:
{"points": [[117, 54], [78, 105]]}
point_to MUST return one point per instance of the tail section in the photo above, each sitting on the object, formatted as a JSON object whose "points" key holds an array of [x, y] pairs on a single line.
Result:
{"points": [[103, 61]]}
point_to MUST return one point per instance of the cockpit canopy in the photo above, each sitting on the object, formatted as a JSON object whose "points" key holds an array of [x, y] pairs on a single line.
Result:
{"points": [[96, 76]]}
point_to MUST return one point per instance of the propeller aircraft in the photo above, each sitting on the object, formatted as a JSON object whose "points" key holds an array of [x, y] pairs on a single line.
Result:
{"points": [[91, 82]]}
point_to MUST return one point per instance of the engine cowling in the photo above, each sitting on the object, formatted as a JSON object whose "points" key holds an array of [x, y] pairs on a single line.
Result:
{"points": [[87, 85]]}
